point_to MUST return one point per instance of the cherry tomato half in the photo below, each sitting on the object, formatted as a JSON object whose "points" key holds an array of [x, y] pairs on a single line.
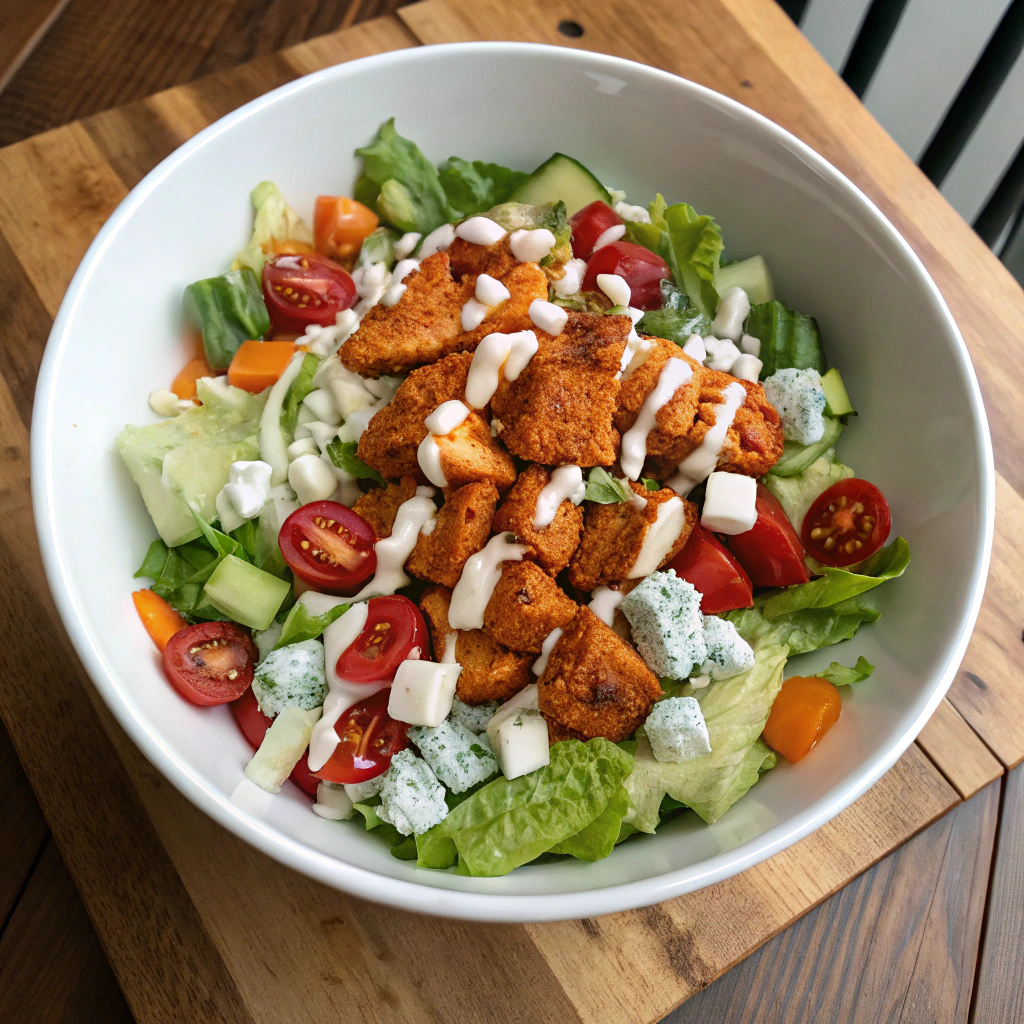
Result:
{"points": [[340, 224], [394, 626], [771, 551], [305, 288], [329, 546], [254, 725], [714, 571], [847, 523], [588, 225], [211, 662], [641, 269], [369, 739]]}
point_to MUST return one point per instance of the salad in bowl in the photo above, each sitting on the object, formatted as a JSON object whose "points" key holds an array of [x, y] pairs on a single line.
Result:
{"points": [[495, 504]]}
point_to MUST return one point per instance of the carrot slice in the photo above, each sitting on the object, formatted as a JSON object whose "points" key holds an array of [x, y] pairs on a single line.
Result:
{"points": [[258, 364], [184, 385], [159, 618], [805, 709]]}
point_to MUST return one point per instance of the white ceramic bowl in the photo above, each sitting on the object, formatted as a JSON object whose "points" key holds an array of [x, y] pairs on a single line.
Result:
{"points": [[921, 436]]}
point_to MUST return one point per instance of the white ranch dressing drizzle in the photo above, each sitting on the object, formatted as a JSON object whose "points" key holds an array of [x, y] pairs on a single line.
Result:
{"points": [[674, 374], [638, 501], [541, 664], [659, 538], [479, 578], [481, 230], [700, 463], [443, 420], [566, 483], [604, 601], [392, 551], [449, 649], [341, 694], [496, 355]]}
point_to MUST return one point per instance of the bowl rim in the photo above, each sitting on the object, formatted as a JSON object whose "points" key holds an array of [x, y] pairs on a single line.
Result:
{"points": [[364, 882]]}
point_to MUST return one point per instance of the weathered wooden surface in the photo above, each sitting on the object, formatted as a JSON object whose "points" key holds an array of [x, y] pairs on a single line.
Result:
{"points": [[201, 926]]}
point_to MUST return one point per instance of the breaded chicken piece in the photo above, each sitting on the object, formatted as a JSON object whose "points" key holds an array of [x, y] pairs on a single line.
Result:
{"points": [[489, 671], [595, 684], [390, 442], [560, 409], [525, 282], [550, 547], [470, 259], [558, 732], [462, 528], [424, 325], [753, 444], [525, 606], [613, 536], [379, 506]]}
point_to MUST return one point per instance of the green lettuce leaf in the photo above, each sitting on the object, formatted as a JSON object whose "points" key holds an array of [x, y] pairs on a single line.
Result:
{"points": [[343, 455], [788, 338], [735, 711], [300, 387], [301, 625], [378, 247], [840, 675], [807, 630], [179, 575], [220, 543], [400, 183], [274, 219], [796, 493], [598, 839], [674, 324], [696, 244], [475, 187], [603, 488]]}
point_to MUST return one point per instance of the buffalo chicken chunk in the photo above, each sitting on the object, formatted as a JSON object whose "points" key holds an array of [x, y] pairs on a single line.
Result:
{"points": [[462, 528], [525, 606], [379, 506]]}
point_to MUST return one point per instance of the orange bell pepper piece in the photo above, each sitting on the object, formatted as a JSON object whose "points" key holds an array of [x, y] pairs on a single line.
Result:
{"points": [[285, 248], [159, 618], [340, 224], [259, 364], [805, 709], [184, 385]]}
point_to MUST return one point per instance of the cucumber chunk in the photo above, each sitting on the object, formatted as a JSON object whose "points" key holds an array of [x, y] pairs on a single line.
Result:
{"points": [[246, 594], [837, 401], [751, 275], [797, 457], [561, 177]]}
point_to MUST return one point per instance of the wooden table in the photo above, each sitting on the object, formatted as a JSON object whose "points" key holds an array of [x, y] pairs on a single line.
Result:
{"points": [[198, 926]]}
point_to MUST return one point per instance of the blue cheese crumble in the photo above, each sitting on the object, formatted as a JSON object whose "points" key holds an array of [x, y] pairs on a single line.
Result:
{"points": [[799, 399], [411, 798], [293, 676], [473, 717], [668, 630], [728, 653], [458, 757], [676, 730]]}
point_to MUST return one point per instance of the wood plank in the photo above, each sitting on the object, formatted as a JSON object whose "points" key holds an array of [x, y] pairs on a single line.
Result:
{"points": [[23, 23], [1000, 996], [956, 750], [901, 941], [52, 967]]}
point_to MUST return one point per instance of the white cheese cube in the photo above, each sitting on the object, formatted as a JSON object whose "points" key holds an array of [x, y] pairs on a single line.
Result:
{"points": [[294, 676], [284, 743], [480, 230], [721, 354], [311, 479], [490, 291], [750, 345], [730, 503], [322, 405], [733, 310], [332, 802], [519, 737], [548, 317], [636, 214], [575, 271], [470, 716], [304, 446], [423, 692], [664, 613], [405, 245], [728, 653], [615, 287], [799, 399], [438, 240], [531, 246], [676, 730], [458, 757], [695, 348], [411, 798], [747, 367]]}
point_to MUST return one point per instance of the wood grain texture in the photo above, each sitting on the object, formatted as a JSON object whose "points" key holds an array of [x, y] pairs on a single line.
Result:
{"points": [[22, 24], [52, 967], [1000, 998], [23, 832], [957, 752], [899, 944]]}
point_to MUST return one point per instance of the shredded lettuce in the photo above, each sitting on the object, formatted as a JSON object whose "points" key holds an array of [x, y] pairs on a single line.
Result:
{"points": [[274, 219], [298, 390], [343, 455], [475, 187], [841, 675], [788, 338], [796, 493]]}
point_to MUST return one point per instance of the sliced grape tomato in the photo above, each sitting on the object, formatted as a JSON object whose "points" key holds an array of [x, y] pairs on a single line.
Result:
{"points": [[211, 662], [847, 523], [329, 546], [368, 738], [305, 288], [394, 630]]}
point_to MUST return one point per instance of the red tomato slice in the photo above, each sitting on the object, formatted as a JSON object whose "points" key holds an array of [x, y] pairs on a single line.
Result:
{"points": [[369, 739], [340, 224], [588, 225], [394, 626], [847, 523], [254, 725], [210, 663], [642, 270], [305, 288], [329, 546], [713, 570], [771, 552]]}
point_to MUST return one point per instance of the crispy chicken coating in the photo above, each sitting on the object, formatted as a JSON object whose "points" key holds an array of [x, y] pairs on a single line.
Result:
{"points": [[550, 547], [463, 526], [379, 506], [469, 258], [595, 684], [470, 453], [525, 282], [525, 606], [558, 732], [613, 536], [489, 671], [561, 407]]}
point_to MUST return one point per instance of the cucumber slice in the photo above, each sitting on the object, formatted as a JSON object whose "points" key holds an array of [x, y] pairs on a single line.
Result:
{"points": [[797, 457], [246, 594], [837, 401], [751, 275], [563, 178]]}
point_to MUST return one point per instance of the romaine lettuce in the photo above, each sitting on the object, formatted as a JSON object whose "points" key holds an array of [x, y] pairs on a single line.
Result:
{"points": [[596, 840], [343, 455], [788, 338], [301, 624], [274, 219], [806, 630], [841, 675], [475, 187], [696, 243], [604, 489], [796, 493], [300, 387], [228, 310]]}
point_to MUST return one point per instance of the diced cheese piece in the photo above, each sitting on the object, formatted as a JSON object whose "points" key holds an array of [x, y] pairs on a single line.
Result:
{"points": [[438, 240], [360, 791], [730, 503], [322, 405], [733, 310], [721, 355], [664, 613], [750, 345], [284, 743], [636, 214], [609, 235], [531, 246], [747, 367], [458, 757], [294, 676], [695, 348], [519, 736], [615, 287], [422, 692], [480, 230], [728, 653], [799, 399], [490, 291], [548, 317], [332, 802], [676, 730], [311, 479], [411, 798], [575, 270], [472, 717]]}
